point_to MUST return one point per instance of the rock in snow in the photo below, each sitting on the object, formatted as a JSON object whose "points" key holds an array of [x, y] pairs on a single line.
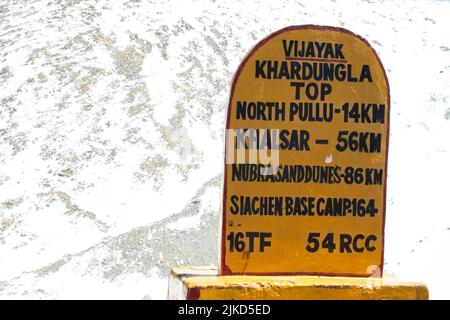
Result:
{"points": [[111, 147]]}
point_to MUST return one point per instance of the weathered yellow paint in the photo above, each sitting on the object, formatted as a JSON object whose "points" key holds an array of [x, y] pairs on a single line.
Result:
{"points": [[202, 283], [303, 288], [287, 253]]}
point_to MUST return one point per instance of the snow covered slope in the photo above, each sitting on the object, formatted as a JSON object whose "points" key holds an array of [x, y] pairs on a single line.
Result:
{"points": [[111, 121]]}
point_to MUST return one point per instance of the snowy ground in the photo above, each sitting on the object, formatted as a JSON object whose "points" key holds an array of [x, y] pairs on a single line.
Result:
{"points": [[111, 121]]}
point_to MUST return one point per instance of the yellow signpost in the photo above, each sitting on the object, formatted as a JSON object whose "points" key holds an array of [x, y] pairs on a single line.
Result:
{"points": [[307, 143], [304, 198]]}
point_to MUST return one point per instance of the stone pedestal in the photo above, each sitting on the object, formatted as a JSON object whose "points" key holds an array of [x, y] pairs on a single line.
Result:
{"points": [[203, 283]]}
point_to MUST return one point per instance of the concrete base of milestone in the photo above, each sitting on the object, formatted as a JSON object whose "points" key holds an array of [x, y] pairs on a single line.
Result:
{"points": [[203, 283]]}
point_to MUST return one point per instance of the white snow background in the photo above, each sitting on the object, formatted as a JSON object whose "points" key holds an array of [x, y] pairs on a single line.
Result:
{"points": [[111, 147]]}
